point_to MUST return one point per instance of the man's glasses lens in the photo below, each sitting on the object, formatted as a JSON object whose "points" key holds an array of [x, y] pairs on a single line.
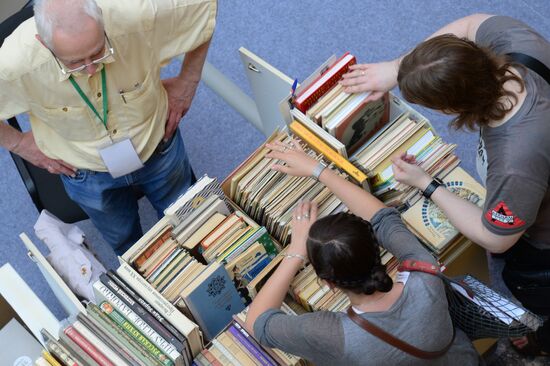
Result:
{"points": [[108, 53]]}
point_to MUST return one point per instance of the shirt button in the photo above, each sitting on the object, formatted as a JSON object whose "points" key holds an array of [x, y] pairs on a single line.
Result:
{"points": [[65, 109], [114, 131], [99, 95]]}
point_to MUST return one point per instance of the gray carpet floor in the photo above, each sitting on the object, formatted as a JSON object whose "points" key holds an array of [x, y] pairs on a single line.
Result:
{"points": [[295, 37]]}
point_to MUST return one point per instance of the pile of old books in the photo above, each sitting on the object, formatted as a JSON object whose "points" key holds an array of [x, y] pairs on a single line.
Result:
{"points": [[314, 295], [235, 346], [124, 328], [204, 242], [345, 121], [369, 133], [270, 197], [404, 135]]}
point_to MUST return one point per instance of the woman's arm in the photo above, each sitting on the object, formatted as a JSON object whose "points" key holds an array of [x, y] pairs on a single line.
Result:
{"points": [[273, 292], [359, 201], [381, 77], [464, 215]]}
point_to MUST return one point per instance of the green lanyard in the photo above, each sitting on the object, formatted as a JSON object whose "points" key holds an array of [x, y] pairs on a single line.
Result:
{"points": [[104, 94]]}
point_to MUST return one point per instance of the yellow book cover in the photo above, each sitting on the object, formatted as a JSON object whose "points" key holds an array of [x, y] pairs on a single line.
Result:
{"points": [[321, 147]]}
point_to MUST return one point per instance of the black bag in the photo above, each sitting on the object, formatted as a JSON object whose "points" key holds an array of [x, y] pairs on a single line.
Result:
{"points": [[478, 310]]}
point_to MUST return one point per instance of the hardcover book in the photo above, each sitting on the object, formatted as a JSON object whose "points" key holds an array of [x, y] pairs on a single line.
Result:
{"points": [[430, 223], [212, 299], [324, 82]]}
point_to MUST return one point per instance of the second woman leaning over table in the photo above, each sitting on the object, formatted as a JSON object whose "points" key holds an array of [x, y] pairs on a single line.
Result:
{"points": [[343, 250]]}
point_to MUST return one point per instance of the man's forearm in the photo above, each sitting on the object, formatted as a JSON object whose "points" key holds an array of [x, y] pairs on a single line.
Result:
{"points": [[9, 137], [193, 63]]}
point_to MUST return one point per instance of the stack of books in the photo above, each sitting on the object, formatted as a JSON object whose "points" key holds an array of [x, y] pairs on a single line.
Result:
{"points": [[204, 240], [235, 346], [404, 135], [123, 329], [322, 105], [314, 295], [270, 197]]}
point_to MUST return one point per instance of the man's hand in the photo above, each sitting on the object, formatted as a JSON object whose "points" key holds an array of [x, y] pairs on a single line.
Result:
{"points": [[180, 95], [375, 78], [27, 149]]}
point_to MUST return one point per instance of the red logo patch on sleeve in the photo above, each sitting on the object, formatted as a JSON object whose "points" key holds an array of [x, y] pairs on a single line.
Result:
{"points": [[501, 216]]}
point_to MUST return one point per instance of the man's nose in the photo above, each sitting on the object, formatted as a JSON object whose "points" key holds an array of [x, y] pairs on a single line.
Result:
{"points": [[91, 68]]}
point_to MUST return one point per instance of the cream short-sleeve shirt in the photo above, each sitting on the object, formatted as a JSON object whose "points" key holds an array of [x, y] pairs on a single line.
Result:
{"points": [[145, 34]]}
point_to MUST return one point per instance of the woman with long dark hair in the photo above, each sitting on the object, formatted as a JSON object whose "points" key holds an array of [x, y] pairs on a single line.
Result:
{"points": [[474, 69], [344, 252]]}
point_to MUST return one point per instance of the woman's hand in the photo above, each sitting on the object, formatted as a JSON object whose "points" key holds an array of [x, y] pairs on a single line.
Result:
{"points": [[376, 78], [298, 163], [305, 214], [406, 170]]}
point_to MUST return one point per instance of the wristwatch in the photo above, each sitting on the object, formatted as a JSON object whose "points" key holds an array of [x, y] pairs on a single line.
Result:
{"points": [[430, 189], [318, 170]]}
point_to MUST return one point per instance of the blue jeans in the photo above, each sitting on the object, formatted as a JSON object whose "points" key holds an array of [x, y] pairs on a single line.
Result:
{"points": [[111, 203]]}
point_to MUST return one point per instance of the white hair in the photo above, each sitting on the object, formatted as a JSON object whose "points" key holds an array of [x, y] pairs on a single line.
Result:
{"points": [[50, 15]]}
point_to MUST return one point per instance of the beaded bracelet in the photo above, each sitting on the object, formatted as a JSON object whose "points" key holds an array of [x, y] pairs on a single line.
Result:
{"points": [[293, 255]]}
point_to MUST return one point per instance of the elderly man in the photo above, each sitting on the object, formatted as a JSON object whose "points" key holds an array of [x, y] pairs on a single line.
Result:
{"points": [[88, 74]]}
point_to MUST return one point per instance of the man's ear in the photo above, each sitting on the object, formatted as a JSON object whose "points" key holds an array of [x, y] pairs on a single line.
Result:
{"points": [[37, 36]]}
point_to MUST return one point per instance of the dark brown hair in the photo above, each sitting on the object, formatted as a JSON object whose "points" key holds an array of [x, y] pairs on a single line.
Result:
{"points": [[455, 75], [343, 250]]}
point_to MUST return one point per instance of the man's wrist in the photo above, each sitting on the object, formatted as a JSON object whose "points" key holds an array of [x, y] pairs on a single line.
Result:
{"points": [[13, 145]]}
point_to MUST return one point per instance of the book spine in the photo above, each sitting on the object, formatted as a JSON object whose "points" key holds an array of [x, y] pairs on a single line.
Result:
{"points": [[231, 358], [50, 359], [254, 342], [86, 346], [136, 335], [318, 145], [121, 336], [279, 359], [317, 94], [103, 293], [163, 306], [113, 355], [41, 361], [258, 354], [122, 284], [74, 349], [139, 310], [200, 360], [62, 354], [211, 358], [109, 340]]}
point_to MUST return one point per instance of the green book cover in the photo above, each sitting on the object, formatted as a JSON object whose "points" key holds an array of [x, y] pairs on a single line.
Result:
{"points": [[108, 325], [268, 244], [131, 330]]}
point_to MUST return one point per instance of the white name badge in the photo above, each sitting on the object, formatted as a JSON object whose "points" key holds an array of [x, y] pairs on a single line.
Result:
{"points": [[120, 158]]}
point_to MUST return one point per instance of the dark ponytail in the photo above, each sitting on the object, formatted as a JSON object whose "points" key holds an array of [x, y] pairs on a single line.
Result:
{"points": [[344, 251]]}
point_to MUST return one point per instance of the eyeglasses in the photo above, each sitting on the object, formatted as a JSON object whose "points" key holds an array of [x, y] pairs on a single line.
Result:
{"points": [[110, 52]]}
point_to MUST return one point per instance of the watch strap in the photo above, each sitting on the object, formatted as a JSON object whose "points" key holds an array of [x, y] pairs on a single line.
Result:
{"points": [[318, 170], [430, 189]]}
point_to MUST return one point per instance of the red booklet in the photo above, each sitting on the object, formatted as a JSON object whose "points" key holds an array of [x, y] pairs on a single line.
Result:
{"points": [[323, 83]]}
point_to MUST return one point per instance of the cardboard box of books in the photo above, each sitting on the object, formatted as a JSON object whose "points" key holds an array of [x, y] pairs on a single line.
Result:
{"points": [[122, 328]]}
